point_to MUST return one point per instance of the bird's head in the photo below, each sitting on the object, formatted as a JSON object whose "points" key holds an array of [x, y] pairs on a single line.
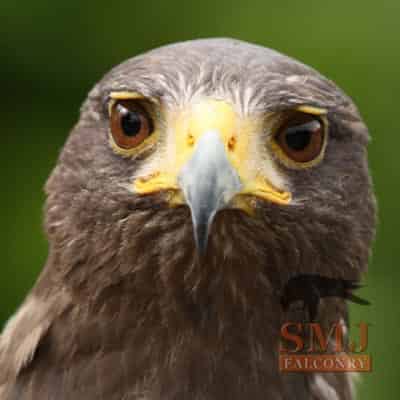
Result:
{"points": [[214, 149]]}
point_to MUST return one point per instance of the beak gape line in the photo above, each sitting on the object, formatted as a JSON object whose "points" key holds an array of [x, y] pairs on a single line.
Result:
{"points": [[208, 182]]}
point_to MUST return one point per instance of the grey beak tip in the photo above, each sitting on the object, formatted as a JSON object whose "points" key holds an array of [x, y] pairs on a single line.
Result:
{"points": [[201, 236], [201, 224]]}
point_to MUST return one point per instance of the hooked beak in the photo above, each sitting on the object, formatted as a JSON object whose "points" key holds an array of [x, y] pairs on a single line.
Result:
{"points": [[209, 164], [208, 182]]}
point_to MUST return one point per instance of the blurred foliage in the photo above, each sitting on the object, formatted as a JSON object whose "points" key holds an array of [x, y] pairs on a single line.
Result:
{"points": [[53, 52]]}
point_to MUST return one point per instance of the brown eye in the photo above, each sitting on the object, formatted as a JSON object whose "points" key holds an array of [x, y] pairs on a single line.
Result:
{"points": [[130, 124], [301, 137]]}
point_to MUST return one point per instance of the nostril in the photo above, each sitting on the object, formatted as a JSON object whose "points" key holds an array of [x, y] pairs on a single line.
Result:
{"points": [[232, 143], [190, 139]]}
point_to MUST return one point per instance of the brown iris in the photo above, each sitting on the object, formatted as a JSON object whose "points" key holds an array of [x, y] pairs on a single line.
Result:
{"points": [[130, 123], [301, 137]]}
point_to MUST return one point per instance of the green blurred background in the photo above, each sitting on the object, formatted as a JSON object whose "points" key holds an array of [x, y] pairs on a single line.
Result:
{"points": [[53, 52]]}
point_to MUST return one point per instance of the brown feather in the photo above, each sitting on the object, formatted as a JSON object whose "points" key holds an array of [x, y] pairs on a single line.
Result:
{"points": [[144, 318]]}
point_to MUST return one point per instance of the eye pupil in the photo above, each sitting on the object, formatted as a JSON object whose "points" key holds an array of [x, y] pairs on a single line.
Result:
{"points": [[131, 123], [298, 138]]}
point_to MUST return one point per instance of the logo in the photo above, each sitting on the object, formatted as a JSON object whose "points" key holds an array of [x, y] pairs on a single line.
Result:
{"points": [[307, 348], [315, 347]]}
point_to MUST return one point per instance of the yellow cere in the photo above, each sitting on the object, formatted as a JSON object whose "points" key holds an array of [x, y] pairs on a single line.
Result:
{"points": [[185, 129]]}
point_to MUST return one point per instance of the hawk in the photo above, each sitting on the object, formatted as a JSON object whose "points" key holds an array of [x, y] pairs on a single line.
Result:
{"points": [[200, 178]]}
